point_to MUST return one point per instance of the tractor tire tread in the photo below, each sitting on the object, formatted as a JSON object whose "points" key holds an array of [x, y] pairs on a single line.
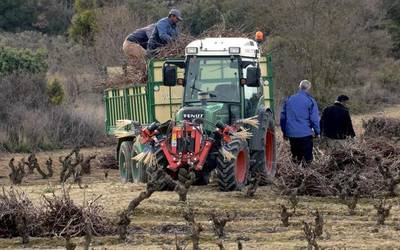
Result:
{"points": [[258, 157], [226, 178], [126, 150]]}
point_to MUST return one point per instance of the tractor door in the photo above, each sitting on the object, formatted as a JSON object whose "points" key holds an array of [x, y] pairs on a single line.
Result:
{"points": [[252, 100], [255, 97]]}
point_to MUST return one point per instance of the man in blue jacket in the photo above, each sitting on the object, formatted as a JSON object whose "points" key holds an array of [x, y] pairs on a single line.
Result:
{"points": [[300, 122], [165, 30]]}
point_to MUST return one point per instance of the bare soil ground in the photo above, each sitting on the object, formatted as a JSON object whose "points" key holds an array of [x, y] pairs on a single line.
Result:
{"points": [[157, 220]]}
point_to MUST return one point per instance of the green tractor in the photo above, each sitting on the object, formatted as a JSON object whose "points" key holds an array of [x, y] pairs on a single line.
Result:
{"points": [[211, 111]]}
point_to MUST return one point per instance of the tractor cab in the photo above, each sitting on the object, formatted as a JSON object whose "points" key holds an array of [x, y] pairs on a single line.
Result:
{"points": [[222, 79]]}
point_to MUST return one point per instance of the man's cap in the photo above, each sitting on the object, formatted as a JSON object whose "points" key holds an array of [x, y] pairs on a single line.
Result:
{"points": [[342, 98], [176, 13]]}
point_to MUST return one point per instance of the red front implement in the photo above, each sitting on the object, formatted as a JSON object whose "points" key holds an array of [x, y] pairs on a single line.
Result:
{"points": [[186, 147]]}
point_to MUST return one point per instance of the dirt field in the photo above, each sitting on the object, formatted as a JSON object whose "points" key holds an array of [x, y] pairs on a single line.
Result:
{"points": [[158, 219]]}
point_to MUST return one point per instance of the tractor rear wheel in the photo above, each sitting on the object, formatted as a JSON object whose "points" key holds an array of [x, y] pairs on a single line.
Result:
{"points": [[232, 175], [265, 159], [125, 162], [139, 174]]}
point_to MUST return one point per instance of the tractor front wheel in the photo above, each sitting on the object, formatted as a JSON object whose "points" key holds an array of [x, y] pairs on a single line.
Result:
{"points": [[125, 162], [232, 175]]}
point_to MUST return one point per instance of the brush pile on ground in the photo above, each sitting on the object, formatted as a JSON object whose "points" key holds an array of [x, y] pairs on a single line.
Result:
{"points": [[382, 126], [364, 166], [18, 216], [56, 216], [62, 217]]}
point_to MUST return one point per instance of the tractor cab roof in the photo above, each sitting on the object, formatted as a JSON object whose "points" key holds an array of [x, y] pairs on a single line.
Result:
{"points": [[223, 47]]}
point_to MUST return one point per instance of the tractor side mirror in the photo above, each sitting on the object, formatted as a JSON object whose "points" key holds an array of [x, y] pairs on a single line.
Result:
{"points": [[253, 75], [169, 75]]}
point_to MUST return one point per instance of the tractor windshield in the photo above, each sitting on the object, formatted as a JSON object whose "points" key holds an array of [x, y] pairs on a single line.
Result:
{"points": [[218, 76]]}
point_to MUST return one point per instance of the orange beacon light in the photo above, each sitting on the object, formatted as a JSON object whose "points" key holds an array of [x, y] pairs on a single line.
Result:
{"points": [[259, 36]]}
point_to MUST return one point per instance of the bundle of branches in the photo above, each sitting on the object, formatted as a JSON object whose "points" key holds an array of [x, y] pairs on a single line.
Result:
{"points": [[62, 217], [134, 73], [382, 126], [175, 48], [353, 168], [18, 216], [108, 161]]}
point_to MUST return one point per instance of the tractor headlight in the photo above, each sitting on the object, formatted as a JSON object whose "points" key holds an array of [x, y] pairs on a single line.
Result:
{"points": [[191, 50], [234, 50]]}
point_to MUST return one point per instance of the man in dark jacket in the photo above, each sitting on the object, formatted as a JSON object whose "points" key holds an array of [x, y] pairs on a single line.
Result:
{"points": [[336, 122], [135, 46], [300, 122], [165, 30], [141, 36]]}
